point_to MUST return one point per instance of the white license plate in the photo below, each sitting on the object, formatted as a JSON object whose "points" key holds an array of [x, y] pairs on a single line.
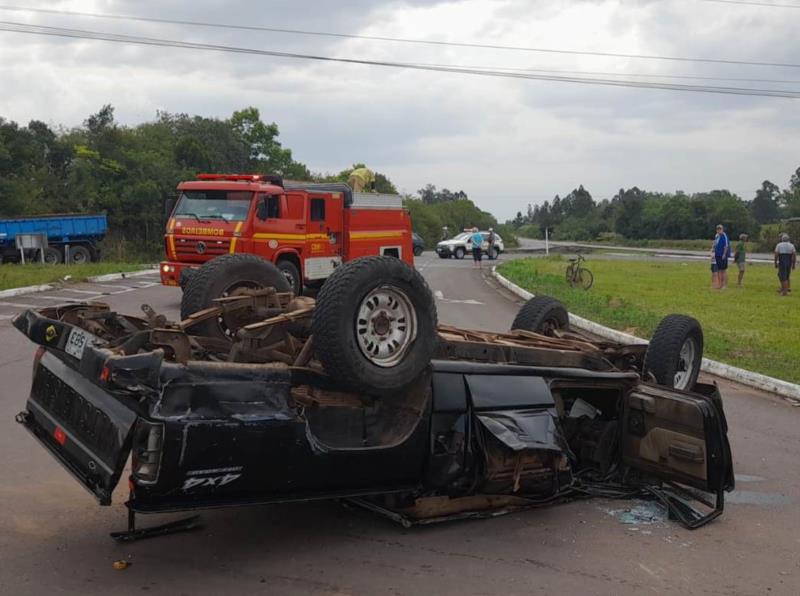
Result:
{"points": [[77, 341]]}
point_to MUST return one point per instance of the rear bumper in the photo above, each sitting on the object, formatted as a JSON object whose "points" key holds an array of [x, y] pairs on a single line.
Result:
{"points": [[172, 271]]}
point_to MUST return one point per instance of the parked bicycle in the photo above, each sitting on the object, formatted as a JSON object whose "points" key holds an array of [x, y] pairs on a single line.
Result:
{"points": [[578, 275]]}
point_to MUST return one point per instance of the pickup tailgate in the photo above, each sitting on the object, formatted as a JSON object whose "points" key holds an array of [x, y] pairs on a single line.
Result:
{"points": [[86, 429]]}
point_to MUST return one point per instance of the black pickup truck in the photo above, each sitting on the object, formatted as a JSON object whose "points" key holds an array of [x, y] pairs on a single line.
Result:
{"points": [[258, 396]]}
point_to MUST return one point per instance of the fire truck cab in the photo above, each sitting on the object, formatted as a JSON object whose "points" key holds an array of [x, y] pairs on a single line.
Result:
{"points": [[305, 229]]}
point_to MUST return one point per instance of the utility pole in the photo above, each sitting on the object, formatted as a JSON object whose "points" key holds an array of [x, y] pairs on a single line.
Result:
{"points": [[546, 242]]}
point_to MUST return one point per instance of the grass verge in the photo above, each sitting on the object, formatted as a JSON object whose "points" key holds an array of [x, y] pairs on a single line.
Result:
{"points": [[750, 327], [33, 274]]}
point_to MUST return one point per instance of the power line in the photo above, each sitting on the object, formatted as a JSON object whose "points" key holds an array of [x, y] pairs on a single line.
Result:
{"points": [[149, 41], [750, 3], [617, 74], [484, 46]]}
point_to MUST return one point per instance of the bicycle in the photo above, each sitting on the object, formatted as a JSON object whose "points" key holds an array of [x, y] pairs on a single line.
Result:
{"points": [[577, 275]]}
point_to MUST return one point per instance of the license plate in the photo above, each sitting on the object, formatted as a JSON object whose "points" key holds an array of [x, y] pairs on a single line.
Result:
{"points": [[77, 341]]}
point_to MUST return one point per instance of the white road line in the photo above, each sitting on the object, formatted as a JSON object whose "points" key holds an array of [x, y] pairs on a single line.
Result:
{"points": [[112, 287], [439, 295], [80, 291], [6, 317], [18, 305], [56, 298]]}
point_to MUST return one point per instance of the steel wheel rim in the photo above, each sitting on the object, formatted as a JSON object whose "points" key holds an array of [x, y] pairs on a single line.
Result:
{"points": [[79, 258], [685, 367], [386, 326]]}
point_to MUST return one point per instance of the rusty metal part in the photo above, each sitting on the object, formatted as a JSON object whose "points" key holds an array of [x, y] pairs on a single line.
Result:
{"points": [[309, 396]]}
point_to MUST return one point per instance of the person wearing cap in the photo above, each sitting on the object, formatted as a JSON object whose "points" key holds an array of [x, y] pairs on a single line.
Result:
{"points": [[491, 240], [477, 240], [722, 250], [740, 257], [785, 262]]}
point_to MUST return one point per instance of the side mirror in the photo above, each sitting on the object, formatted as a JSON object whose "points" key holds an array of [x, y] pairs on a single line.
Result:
{"points": [[169, 206]]}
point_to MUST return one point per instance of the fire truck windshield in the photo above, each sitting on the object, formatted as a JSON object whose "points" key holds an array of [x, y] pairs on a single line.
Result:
{"points": [[214, 204]]}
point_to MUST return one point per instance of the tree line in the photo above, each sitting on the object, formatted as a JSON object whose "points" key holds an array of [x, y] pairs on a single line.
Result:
{"points": [[639, 214], [127, 172]]}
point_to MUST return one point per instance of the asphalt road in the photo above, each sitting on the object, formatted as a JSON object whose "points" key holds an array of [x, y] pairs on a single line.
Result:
{"points": [[54, 538]]}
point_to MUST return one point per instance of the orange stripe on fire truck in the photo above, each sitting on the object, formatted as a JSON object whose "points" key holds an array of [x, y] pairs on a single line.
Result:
{"points": [[236, 233], [266, 236], [376, 235]]}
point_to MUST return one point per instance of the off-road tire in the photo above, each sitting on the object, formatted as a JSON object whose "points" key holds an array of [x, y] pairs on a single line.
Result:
{"points": [[79, 255], [541, 314], [218, 275], [664, 352], [333, 325], [290, 269], [459, 253]]}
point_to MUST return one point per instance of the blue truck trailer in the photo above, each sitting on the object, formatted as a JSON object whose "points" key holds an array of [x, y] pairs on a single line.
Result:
{"points": [[57, 238]]}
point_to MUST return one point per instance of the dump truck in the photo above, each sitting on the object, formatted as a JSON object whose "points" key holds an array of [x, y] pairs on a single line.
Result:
{"points": [[70, 238]]}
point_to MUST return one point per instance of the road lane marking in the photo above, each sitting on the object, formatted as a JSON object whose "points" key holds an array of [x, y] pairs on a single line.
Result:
{"points": [[93, 293], [439, 295], [17, 305]]}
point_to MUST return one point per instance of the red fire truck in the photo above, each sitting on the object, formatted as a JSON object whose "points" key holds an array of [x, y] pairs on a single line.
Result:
{"points": [[305, 229]]}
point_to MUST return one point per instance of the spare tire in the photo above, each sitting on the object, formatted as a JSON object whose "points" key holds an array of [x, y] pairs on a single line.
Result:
{"points": [[675, 352], [542, 314], [374, 325], [224, 276]]}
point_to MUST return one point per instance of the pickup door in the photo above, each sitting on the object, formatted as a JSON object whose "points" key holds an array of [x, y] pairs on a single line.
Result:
{"points": [[678, 437]]}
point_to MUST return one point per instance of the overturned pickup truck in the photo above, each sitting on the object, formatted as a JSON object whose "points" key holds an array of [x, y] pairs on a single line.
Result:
{"points": [[259, 396]]}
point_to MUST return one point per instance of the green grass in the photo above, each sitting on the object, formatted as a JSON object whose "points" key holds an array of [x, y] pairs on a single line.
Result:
{"points": [[16, 276], [752, 327]]}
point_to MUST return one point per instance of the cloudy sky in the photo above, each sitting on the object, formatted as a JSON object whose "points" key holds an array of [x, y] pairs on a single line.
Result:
{"points": [[505, 141]]}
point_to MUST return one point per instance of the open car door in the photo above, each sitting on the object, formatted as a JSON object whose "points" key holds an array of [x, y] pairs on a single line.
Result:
{"points": [[679, 438]]}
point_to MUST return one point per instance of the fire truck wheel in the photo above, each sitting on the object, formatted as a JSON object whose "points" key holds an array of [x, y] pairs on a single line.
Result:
{"points": [[374, 326], [292, 275], [225, 276], [542, 314]]}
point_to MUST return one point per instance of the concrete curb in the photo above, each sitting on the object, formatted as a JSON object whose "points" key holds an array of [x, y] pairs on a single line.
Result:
{"points": [[11, 292], [719, 369], [122, 275]]}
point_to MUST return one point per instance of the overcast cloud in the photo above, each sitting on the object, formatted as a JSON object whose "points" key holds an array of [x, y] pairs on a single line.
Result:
{"points": [[506, 142]]}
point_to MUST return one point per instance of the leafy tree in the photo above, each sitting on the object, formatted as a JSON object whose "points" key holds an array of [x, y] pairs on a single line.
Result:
{"points": [[765, 207]]}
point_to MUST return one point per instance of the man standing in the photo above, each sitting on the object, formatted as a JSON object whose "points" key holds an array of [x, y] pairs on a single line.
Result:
{"points": [[785, 262], [477, 240], [490, 240], [740, 257], [721, 252]]}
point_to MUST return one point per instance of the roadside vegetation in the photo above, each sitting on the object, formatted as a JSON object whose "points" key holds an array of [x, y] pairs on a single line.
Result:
{"points": [[752, 327], [33, 274], [637, 217]]}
